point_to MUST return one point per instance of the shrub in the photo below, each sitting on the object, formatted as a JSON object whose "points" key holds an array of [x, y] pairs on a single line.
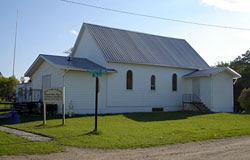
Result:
{"points": [[244, 99]]}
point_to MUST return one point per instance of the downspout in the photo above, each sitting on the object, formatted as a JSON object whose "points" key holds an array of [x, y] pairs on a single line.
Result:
{"points": [[212, 102], [235, 81], [65, 71], [106, 91], [234, 106]]}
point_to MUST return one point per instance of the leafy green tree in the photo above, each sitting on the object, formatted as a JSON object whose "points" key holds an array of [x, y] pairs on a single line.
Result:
{"points": [[8, 88], [69, 51], [222, 64], [244, 99]]}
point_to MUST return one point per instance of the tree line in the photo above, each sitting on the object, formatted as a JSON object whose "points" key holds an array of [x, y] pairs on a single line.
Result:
{"points": [[8, 88]]}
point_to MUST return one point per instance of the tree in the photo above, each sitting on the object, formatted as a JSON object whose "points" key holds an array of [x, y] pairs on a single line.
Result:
{"points": [[68, 52], [244, 99], [22, 80], [222, 64], [241, 64], [8, 88]]}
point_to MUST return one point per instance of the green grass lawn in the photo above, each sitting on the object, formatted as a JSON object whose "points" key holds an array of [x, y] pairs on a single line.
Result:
{"points": [[140, 129], [14, 145], [5, 106], [3, 113]]}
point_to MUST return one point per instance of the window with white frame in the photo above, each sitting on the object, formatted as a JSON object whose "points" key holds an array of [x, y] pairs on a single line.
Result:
{"points": [[153, 82], [46, 81]]}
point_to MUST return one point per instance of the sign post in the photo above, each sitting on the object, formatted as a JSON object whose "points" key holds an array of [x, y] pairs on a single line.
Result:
{"points": [[96, 73], [54, 96], [44, 114]]}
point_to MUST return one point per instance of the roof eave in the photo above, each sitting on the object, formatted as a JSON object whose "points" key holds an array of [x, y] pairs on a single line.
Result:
{"points": [[208, 75], [29, 72], [150, 64], [236, 75], [85, 70], [39, 60]]}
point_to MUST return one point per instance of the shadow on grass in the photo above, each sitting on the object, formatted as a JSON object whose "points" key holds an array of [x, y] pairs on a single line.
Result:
{"points": [[162, 116], [46, 126], [83, 134], [33, 118], [140, 117], [92, 133]]}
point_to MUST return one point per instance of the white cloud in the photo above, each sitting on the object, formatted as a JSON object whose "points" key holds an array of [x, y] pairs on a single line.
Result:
{"points": [[74, 32], [230, 5]]}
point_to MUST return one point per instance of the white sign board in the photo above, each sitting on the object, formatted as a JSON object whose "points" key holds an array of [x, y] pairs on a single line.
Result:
{"points": [[53, 95]]}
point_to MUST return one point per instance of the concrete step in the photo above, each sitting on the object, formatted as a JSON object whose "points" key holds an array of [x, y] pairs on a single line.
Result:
{"points": [[201, 107]]}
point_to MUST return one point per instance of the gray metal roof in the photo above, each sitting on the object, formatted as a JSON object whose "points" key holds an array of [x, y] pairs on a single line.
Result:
{"points": [[133, 47], [62, 62], [74, 63], [212, 71]]}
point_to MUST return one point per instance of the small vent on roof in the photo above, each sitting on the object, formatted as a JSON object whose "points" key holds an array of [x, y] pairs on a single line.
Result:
{"points": [[69, 58]]}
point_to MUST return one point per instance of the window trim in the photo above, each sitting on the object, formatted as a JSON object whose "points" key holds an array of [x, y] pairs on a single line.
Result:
{"points": [[153, 83], [129, 86], [174, 82], [43, 77]]}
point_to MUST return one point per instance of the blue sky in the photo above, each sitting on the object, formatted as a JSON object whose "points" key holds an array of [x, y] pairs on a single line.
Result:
{"points": [[50, 26]]}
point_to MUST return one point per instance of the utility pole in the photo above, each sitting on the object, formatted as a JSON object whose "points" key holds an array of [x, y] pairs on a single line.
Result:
{"points": [[14, 58]]}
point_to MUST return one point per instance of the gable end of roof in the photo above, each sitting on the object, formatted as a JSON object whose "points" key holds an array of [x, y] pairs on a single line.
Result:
{"points": [[119, 45]]}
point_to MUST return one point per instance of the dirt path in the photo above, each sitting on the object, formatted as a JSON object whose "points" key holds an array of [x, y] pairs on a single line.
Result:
{"points": [[28, 135], [223, 149]]}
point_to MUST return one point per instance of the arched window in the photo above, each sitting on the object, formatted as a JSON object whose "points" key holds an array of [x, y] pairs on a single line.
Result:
{"points": [[129, 79], [174, 82], [153, 82]]}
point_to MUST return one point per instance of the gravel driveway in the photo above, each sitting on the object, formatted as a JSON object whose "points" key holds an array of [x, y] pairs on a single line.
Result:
{"points": [[222, 149]]}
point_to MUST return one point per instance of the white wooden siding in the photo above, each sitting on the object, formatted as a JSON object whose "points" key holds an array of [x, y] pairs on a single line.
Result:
{"points": [[222, 92], [46, 81], [115, 98], [80, 90], [187, 86], [47, 69], [216, 91], [88, 48], [141, 95], [205, 91]]}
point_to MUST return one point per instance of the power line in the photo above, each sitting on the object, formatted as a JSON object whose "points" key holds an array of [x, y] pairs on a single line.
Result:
{"points": [[156, 17]]}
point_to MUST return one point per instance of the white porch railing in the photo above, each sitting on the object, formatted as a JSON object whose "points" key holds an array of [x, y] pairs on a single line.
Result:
{"points": [[29, 95]]}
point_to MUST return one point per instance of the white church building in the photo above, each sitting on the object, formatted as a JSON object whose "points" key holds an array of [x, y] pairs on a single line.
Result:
{"points": [[145, 73]]}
